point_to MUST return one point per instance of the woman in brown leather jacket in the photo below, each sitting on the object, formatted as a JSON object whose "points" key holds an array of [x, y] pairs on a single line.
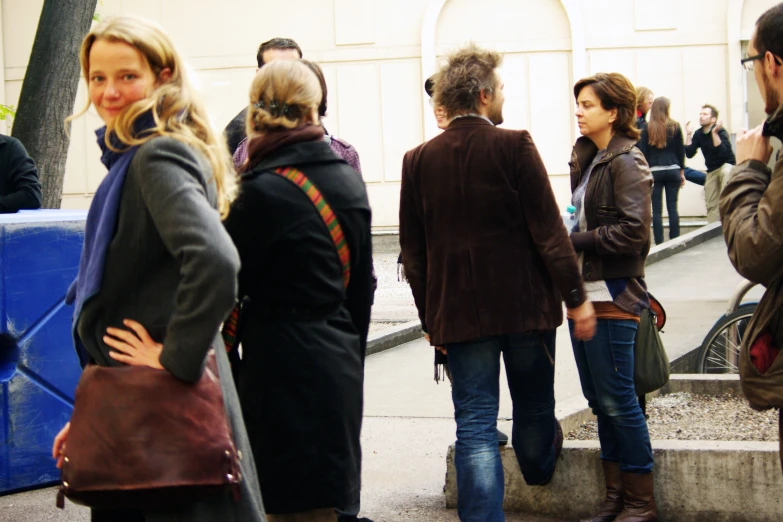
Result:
{"points": [[612, 186]]}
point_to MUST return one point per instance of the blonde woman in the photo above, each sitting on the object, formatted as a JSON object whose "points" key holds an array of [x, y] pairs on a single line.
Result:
{"points": [[304, 333], [157, 273]]}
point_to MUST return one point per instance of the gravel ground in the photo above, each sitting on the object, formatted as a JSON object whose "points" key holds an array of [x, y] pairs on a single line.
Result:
{"points": [[685, 416]]}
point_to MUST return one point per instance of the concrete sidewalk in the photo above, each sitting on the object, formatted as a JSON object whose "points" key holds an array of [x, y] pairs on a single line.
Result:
{"points": [[409, 424]]}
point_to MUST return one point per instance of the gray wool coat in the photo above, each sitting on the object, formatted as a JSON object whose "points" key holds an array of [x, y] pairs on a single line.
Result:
{"points": [[172, 267]]}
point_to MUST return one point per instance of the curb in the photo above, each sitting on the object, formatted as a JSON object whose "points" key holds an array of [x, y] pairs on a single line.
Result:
{"points": [[689, 240], [410, 331], [395, 336]]}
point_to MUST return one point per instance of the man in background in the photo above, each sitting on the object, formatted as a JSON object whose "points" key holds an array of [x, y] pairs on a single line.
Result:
{"points": [[269, 51], [19, 185], [715, 145]]}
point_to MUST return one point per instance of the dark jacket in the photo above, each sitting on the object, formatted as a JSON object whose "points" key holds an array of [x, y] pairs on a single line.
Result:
{"points": [[19, 185], [617, 206], [714, 157], [236, 131], [304, 337], [673, 153], [483, 243], [172, 267]]}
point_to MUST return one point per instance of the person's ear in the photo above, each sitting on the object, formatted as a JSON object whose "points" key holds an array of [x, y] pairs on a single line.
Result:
{"points": [[485, 98], [164, 76], [773, 64], [613, 115]]}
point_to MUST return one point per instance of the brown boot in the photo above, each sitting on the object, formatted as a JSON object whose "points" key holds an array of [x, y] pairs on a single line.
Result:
{"points": [[613, 503], [639, 499]]}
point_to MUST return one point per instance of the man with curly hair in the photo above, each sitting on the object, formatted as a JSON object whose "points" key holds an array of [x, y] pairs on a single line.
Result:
{"points": [[488, 259]]}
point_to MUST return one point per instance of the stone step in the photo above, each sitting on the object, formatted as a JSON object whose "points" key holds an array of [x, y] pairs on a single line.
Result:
{"points": [[695, 481]]}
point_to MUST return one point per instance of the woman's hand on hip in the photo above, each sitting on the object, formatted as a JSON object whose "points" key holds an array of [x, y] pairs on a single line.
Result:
{"points": [[58, 448], [135, 348], [682, 178]]}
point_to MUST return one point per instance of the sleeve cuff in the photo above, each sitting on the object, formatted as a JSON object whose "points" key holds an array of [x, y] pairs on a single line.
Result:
{"points": [[583, 241]]}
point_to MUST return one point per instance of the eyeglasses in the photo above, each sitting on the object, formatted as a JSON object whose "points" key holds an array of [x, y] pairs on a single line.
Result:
{"points": [[747, 62]]}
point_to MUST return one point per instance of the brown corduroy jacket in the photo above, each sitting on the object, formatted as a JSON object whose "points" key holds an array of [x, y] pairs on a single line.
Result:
{"points": [[483, 243]]}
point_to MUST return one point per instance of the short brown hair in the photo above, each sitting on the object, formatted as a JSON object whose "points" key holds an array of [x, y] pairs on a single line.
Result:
{"points": [[769, 32], [276, 43], [615, 92], [642, 93], [468, 72], [711, 108]]}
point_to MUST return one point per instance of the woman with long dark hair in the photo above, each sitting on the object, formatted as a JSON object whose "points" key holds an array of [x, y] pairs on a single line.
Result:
{"points": [[663, 147]]}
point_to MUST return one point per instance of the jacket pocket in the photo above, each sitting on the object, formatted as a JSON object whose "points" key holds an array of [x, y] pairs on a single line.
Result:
{"points": [[607, 216]]}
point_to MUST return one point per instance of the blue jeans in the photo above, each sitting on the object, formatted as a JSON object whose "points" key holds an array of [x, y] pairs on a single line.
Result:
{"points": [[605, 365], [695, 176], [669, 180], [475, 372]]}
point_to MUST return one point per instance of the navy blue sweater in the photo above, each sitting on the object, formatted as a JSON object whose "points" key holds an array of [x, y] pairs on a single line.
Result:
{"points": [[714, 157], [673, 153]]}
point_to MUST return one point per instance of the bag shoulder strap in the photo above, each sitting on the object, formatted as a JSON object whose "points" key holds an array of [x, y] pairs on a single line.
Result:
{"points": [[232, 326], [327, 215]]}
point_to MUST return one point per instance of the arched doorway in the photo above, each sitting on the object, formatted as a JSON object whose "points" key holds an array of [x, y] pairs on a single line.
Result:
{"points": [[536, 39]]}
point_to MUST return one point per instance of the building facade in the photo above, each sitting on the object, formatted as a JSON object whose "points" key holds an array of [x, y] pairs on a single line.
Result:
{"points": [[376, 55]]}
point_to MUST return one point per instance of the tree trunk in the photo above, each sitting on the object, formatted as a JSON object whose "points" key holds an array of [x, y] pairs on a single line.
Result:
{"points": [[49, 90]]}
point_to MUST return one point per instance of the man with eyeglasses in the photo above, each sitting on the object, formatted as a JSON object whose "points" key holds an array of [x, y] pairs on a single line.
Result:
{"points": [[752, 210], [715, 145]]}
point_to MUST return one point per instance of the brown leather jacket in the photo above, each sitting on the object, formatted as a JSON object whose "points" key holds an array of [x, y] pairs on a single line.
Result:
{"points": [[617, 207], [751, 209]]}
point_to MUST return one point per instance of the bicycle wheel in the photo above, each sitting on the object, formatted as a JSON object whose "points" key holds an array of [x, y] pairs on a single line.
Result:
{"points": [[719, 353]]}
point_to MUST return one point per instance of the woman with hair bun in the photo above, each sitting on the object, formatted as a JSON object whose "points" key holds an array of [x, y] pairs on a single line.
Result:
{"points": [[306, 287]]}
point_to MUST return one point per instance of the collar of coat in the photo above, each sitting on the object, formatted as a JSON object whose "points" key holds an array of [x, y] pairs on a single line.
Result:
{"points": [[774, 124], [296, 155], [586, 150]]}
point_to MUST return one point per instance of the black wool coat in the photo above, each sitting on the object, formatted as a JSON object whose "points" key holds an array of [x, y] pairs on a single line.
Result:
{"points": [[303, 337], [19, 185]]}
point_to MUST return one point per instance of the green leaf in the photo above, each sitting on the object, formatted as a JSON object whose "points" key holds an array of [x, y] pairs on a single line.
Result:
{"points": [[7, 112]]}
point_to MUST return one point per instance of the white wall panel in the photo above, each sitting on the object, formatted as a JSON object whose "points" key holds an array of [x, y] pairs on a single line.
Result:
{"points": [[359, 99], [401, 91], [551, 109], [607, 61], [354, 22], [496, 21], [515, 76]]}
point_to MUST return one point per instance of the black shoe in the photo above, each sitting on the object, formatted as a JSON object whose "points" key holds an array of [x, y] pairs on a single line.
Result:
{"points": [[352, 518], [502, 438]]}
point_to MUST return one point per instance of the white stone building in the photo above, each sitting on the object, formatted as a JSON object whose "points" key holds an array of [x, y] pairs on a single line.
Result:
{"points": [[376, 54]]}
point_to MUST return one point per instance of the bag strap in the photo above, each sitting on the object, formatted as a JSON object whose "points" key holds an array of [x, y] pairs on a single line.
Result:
{"points": [[327, 215], [231, 327]]}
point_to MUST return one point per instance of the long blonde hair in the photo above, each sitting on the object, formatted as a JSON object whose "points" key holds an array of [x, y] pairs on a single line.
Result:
{"points": [[176, 108], [284, 95]]}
